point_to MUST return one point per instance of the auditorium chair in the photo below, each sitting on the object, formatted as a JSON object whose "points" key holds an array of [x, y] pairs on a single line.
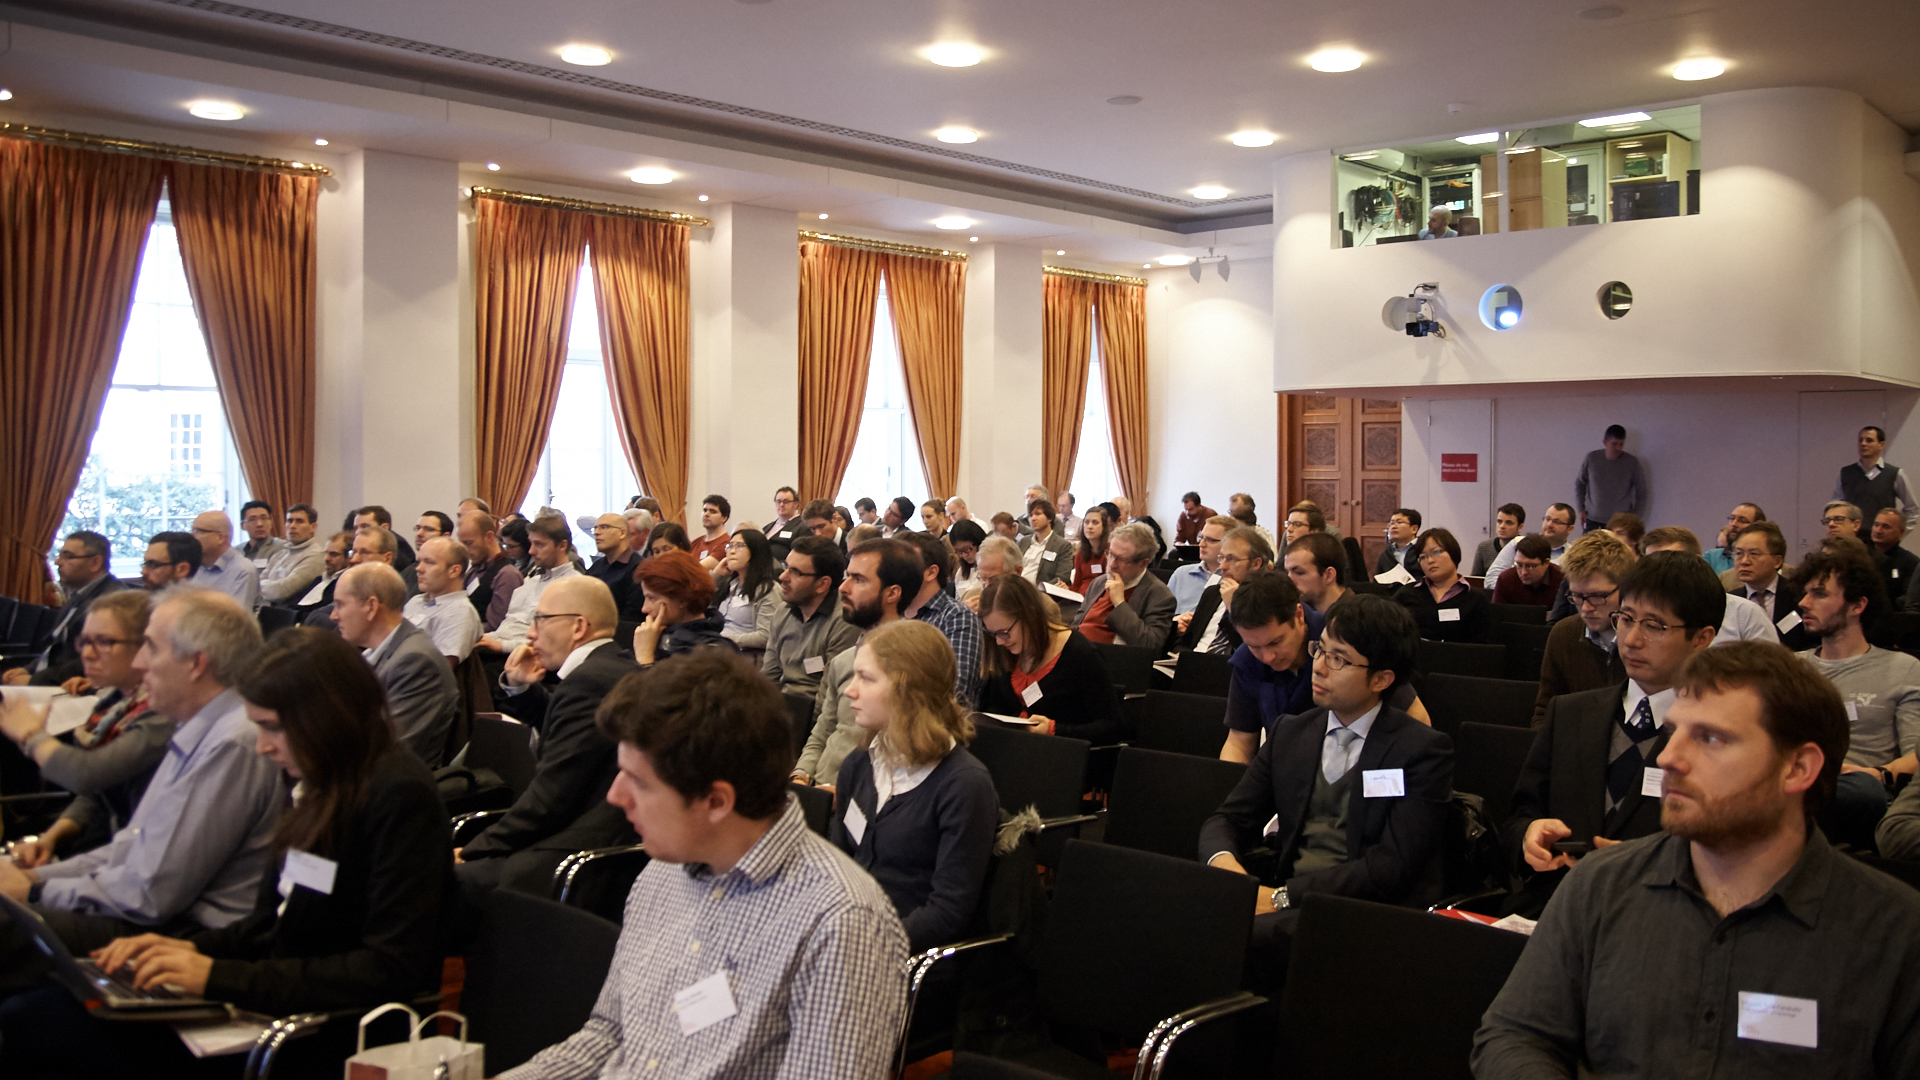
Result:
{"points": [[1196, 672], [1182, 723], [1159, 800], [1457, 658], [1452, 700]]}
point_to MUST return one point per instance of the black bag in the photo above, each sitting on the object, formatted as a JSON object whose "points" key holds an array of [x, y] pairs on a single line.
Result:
{"points": [[467, 791]]}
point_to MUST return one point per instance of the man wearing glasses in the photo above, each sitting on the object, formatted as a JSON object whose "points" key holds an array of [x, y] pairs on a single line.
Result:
{"points": [[222, 566], [1190, 581], [1556, 526], [1127, 605], [1580, 653], [1207, 628], [614, 564], [81, 566], [1590, 779], [1721, 557], [1759, 552], [809, 630], [786, 526]]}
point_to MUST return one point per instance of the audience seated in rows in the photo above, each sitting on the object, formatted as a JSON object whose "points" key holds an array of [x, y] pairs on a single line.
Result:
{"points": [[335, 558], [1743, 620], [1900, 567], [491, 576], [998, 555], [1070, 523], [931, 603], [291, 566], [423, 699], [1271, 677], [1039, 669], [1403, 527], [1208, 627], [1090, 551], [1534, 578], [1193, 515], [81, 565], [442, 608], [1556, 525], [965, 537], [1507, 523], [1444, 607], [808, 630], [1759, 555], [549, 549], [933, 519], [1189, 581], [677, 591], [1581, 653], [256, 520], [787, 526], [1720, 557], [614, 563], [882, 576], [1627, 527], [378, 515], [222, 566], [1127, 605], [711, 544]]}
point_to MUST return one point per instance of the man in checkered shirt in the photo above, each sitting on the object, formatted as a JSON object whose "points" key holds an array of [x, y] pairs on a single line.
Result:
{"points": [[751, 947]]}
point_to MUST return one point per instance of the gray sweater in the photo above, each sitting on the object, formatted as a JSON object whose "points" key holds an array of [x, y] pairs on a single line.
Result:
{"points": [[1605, 488], [1882, 691]]}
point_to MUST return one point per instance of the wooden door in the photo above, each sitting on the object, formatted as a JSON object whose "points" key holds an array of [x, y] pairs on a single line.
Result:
{"points": [[1343, 454]]}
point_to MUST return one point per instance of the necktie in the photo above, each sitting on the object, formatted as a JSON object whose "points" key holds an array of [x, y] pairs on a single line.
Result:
{"points": [[1764, 597], [1334, 761], [1640, 724], [1625, 773]]}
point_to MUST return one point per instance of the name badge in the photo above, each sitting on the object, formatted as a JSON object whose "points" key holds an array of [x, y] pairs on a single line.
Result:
{"points": [[309, 871], [473, 586], [1853, 713], [1212, 580], [856, 822], [1777, 1018], [1049, 556], [1653, 783], [1896, 573], [704, 1004], [261, 564], [1383, 783], [1449, 614], [1788, 621], [814, 665], [1031, 694], [1096, 568]]}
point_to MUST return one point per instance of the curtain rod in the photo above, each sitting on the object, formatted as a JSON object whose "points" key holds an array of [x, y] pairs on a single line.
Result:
{"points": [[609, 209], [162, 151], [884, 246], [1089, 275]]}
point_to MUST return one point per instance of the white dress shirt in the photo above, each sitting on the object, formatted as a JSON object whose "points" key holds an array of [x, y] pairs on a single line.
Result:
{"points": [[449, 620], [517, 625]]}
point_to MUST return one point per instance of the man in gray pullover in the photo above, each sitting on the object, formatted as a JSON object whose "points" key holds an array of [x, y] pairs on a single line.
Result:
{"points": [[1611, 481]]}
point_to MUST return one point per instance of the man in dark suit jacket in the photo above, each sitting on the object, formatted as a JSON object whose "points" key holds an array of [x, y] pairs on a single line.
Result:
{"points": [[1359, 788], [787, 526], [1759, 554], [1138, 608], [423, 700], [1402, 528], [1054, 564], [1591, 776], [1242, 551], [82, 564], [564, 808]]}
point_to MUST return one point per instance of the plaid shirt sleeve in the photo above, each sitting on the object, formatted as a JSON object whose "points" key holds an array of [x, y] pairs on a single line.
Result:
{"points": [[848, 998]]}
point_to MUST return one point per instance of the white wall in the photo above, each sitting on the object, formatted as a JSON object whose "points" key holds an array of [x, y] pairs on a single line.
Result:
{"points": [[1001, 390]]}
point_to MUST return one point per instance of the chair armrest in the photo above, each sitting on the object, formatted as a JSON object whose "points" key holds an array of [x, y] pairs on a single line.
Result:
{"points": [[1074, 822], [34, 796], [918, 966], [1159, 1045], [267, 1046], [1465, 899], [468, 826], [570, 867]]}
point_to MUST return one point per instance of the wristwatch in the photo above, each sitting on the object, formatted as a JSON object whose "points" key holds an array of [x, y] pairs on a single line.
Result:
{"points": [[1281, 901]]}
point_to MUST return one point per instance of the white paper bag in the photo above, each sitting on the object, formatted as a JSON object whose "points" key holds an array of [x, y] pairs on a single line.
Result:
{"points": [[417, 1058]]}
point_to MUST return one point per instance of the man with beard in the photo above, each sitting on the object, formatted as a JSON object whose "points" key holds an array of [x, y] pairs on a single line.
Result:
{"points": [[881, 576], [1739, 942]]}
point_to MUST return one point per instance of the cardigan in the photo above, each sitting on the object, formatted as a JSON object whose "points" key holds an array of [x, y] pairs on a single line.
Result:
{"points": [[1474, 625], [1572, 663], [1077, 695]]}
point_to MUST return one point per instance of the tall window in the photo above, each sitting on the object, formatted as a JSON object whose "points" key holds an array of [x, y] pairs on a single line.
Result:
{"points": [[161, 453], [886, 456], [1095, 479], [583, 471]]}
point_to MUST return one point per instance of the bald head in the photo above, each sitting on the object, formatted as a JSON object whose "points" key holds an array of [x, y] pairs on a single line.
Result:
{"points": [[214, 530], [374, 581], [585, 596]]}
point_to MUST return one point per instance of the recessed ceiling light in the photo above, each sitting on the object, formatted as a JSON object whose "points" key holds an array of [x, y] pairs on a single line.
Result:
{"points": [[954, 53], [1621, 118], [5, 94], [216, 110], [956, 135], [823, 217], [319, 142], [952, 223], [1062, 251], [1253, 138], [493, 166], [1175, 260], [703, 198], [1209, 191], [1335, 60], [1146, 266], [586, 55], [973, 239], [1697, 68], [1476, 140], [1124, 99], [651, 174]]}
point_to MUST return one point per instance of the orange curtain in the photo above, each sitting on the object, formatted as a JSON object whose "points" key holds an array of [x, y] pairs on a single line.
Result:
{"points": [[1121, 314], [73, 224], [1067, 330], [640, 272], [527, 260], [928, 300], [247, 240], [839, 287]]}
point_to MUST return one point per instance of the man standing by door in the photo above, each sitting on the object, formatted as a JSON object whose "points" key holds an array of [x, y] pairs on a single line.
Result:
{"points": [[1873, 485], [1611, 481]]}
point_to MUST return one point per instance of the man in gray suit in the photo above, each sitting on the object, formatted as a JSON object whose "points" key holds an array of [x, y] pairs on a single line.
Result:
{"points": [[1127, 605], [422, 696]]}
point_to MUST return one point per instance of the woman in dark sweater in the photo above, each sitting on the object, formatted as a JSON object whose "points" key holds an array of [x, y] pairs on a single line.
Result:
{"points": [[677, 589], [1445, 607], [912, 806], [1040, 669], [348, 916]]}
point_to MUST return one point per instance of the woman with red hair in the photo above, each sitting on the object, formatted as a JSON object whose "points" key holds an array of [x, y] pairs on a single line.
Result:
{"points": [[677, 589]]}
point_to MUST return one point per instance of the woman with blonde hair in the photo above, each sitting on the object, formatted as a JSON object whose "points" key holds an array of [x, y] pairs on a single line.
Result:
{"points": [[913, 807]]}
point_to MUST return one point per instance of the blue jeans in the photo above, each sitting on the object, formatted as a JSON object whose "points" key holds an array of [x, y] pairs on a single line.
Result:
{"points": [[1859, 802]]}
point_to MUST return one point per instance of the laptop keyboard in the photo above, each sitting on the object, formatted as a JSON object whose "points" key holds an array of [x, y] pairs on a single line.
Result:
{"points": [[120, 984]]}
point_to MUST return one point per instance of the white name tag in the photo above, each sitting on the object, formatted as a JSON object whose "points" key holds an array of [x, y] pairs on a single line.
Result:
{"points": [[1383, 783], [473, 586], [1212, 580], [1788, 621], [1031, 694], [1653, 783], [1049, 556], [261, 564], [1777, 1018], [1896, 573], [856, 822], [1449, 614], [1096, 568], [308, 870], [814, 664], [1853, 713], [704, 1004]]}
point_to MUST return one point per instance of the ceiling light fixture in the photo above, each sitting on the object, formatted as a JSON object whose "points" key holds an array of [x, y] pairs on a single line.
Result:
{"points": [[216, 110], [651, 174], [1062, 251], [1336, 60], [1253, 138], [952, 223], [973, 239], [586, 55], [1219, 263], [956, 135], [1146, 266], [1125, 99], [5, 94], [823, 217], [703, 198], [1209, 192], [493, 166], [1620, 118], [319, 142], [1697, 68], [1476, 140], [954, 53]]}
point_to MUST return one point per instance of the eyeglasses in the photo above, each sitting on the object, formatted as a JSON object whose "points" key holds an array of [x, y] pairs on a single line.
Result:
{"points": [[1335, 662], [90, 641], [1623, 622], [1562, 522], [154, 564], [72, 556], [1749, 556], [1836, 519], [800, 573], [1425, 555], [1000, 635], [735, 545], [557, 615], [1225, 559], [206, 532], [1113, 555], [1591, 599]]}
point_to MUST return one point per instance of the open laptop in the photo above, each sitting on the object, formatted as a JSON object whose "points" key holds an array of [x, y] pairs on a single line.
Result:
{"points": [[104, 993]]}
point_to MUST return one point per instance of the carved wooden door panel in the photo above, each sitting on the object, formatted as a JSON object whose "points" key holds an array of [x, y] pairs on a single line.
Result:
{"points": [[1376, 431], [1343, 454]]}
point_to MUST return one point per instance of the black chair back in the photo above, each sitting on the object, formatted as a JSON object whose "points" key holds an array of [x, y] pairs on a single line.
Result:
{"points": [[1162, 571], [533, 975], [505, 746], [1047, 772], [1524, 614], [1159, 801], [599, 881], [1129, 667], [1195, 672], [1133, 937], [1457, 658], [1901, 869], [1453, 700], [800, 716], [1341, 946], [275, 619], [1182, 723], [816, 804], [1526, 647], [1486, 762]]}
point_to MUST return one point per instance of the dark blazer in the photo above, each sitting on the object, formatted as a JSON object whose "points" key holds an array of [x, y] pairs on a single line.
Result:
{"points": [[1901, 569], [929, 848], [1411, 563], [565, 808], [1474, 626], [781, 539], [1202, 615], [63, 650], [1393, 844], [422, 696], [1059, 569], [1145, 620], [1077, 695], [376, 937], [1785, 600]]}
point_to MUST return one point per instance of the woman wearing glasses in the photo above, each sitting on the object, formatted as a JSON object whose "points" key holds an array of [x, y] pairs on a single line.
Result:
{"points": [[748, 595], [1445, 607], [1040, 669], [106, 761]]}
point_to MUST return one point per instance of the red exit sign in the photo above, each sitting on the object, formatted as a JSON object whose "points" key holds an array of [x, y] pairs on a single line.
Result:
{"points": [[1459, 468]]}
